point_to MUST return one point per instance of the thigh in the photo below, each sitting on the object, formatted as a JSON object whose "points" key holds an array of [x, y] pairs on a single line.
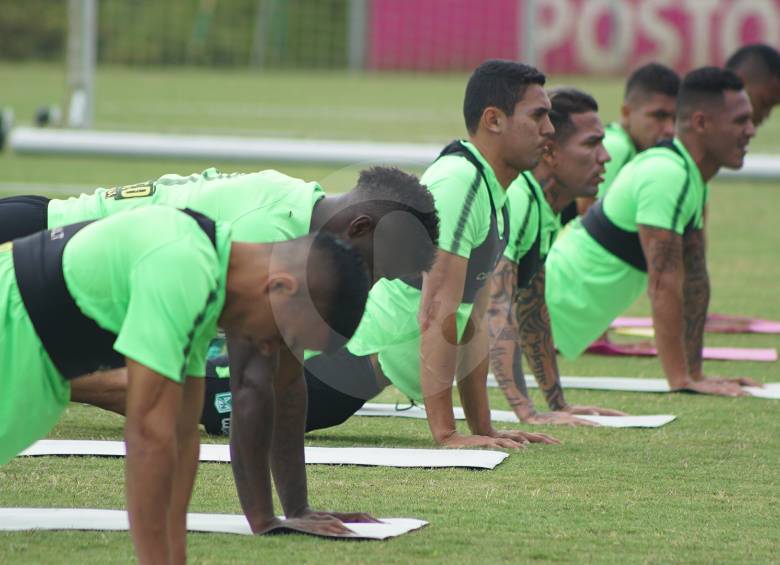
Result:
{"points": [[22, 215], [337, 385]]}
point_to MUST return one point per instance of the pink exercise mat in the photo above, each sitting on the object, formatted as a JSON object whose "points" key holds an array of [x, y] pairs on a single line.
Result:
{"points": [[647, 349], [716, 323]]}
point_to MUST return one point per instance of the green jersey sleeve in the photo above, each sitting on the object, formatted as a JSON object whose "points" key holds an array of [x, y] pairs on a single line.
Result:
{"points": [[170, 291], [459, 195], [523, 220], [663, 194]]}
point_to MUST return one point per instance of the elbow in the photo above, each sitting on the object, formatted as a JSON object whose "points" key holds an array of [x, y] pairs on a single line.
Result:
{"points": [[662, 288], [146, 438]]}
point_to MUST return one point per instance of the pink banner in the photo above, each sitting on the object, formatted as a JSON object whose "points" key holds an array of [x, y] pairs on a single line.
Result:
{"points": [[565, 36]]}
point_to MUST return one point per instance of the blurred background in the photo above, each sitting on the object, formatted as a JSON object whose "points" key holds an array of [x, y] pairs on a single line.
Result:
{"points": [[356, 71]]}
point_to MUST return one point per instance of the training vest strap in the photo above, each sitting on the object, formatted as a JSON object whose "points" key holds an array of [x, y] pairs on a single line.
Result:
{"points": [[529, 264], [622, 243], [484, 257], [75, 343]]}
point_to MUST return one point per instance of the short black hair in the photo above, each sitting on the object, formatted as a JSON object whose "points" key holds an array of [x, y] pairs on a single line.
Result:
{"points": [[384, 190], [497, 83], [705, 85], [566, 101], [652, 78], [347, 289], [757, 60]]}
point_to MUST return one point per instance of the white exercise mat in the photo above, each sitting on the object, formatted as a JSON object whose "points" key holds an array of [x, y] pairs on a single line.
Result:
{"points": [[418, 412], [370, 456], [19, 519], [626, 384]]}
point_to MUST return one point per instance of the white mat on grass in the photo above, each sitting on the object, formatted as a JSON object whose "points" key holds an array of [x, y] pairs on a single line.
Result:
{"points": [[769, 390], [19, 519], [370, 456], [654, 421]]}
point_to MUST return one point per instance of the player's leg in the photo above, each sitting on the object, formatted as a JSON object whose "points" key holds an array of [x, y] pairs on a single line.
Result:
{"points": [[338, 385], [22, 215], [105, 389]]}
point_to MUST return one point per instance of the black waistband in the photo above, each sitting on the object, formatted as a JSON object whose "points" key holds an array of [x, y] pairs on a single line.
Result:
{"points": [[75, 343]]}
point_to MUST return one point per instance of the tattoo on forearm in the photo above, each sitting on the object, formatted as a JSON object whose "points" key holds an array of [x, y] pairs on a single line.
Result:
{"points": [[696, 294], [502, 330], [536, 338], [665, 256]]}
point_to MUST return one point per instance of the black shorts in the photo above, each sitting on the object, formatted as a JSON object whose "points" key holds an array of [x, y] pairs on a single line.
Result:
{"points": [[22, 215], [337, 384]]}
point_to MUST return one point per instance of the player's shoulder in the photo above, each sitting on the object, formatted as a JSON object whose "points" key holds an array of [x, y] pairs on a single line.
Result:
{"points": [[451, 170], [658, 162], [520, 195]]}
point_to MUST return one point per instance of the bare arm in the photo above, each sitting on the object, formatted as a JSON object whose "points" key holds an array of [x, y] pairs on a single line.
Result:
{"points": [[153, 409], [663, 251], [287, 452], [251, 431], [188, 445], [696, 295], [536, 337], [505, 352]]}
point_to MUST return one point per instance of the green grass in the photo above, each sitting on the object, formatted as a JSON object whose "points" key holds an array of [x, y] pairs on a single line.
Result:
{"points": [[703, 489]]}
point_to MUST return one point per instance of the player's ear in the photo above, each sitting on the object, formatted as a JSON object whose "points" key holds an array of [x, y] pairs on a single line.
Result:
{"points": [[699, 121], [282, 283], [493, 119], [360, 226], [625, 110]]}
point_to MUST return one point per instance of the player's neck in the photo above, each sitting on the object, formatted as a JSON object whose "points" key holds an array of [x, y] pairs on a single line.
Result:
{"points": [[325, 211], [249, 265], [708, 167], [554, 194], [490, 151]]}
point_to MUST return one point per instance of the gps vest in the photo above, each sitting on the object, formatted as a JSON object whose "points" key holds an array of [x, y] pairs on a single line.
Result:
{"points": [[484, 257], [625, 244], [74, 342]]}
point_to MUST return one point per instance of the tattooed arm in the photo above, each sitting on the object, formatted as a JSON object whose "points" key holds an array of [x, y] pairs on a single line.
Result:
{"points": [[533, 332], [666, 275], [504, 347], [696, 294]]}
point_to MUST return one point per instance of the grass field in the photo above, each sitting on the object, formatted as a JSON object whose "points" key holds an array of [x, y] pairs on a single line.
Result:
{"points": [[704, 489]]}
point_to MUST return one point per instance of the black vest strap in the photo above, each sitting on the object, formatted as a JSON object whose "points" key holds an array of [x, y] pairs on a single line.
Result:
{"points": [[529, 264], [622, 243], [75, 343], [484, 257]]}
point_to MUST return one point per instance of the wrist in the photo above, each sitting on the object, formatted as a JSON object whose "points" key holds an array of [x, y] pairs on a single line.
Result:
{"points": [[676, 383], [442, 437]]}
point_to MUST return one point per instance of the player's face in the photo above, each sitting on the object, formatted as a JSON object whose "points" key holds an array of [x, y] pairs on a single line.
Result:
{"points": [[580, 159], [651, 120], [763, 98], [528, 129], [730, 129]]}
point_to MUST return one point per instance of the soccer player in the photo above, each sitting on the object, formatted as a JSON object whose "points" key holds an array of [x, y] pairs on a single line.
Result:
{"points": [[646, 118], [262, 207], [571, 166], [147, 289], [758, 66], [647, 232], [419, 332]]}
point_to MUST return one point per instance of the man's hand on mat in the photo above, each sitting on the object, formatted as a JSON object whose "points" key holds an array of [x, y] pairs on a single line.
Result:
{"points": [[741, 381], [351, 517], [318, 526], [458, 440], [580, 410], [713, 386], [555, 418], [524, 437]]}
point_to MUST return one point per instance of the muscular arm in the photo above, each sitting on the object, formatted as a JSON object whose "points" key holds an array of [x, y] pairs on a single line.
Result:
{"points": [[505, 353], [441, 293], [663, 253], [154, 404], [251, 430], [472, 367], [536, 337], [696, 293]]}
